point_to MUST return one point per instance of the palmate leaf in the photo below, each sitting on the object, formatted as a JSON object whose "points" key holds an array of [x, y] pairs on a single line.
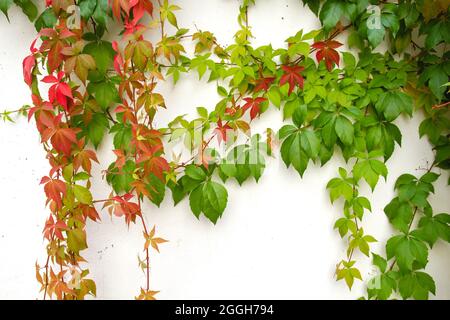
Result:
{"points": [[382, 286], [121, 182], [432, 228], [299, 147], [105, 93], [417, 285], [103, 54], [392, 104], [156, 189], [331, 13], [370, 170], [409, 251], [209, 198], [244, 161]]}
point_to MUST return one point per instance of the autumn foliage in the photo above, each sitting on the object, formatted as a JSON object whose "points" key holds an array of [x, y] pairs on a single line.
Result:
{"points": [[83, 86]]}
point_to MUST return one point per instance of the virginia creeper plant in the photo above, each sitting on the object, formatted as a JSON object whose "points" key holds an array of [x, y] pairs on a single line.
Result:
{"points": [[87, 81]]}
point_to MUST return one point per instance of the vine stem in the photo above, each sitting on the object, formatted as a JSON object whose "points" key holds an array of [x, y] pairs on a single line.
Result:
{"points": [[46, 274], [161, 20], [205, 145], [442, 105], [144, 225], [356, 220], [24, 108]]}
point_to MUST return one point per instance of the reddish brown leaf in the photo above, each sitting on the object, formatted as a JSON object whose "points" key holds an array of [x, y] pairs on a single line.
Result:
{"points": [[254, 106], [325, 51], [292, 76], [264, 83]]}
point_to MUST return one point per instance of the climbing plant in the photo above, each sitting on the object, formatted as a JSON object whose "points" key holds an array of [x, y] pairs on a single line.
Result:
{"points": [[335, 103]]}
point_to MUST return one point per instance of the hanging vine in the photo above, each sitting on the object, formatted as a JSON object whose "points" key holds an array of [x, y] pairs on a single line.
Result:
{"points": [[333, 102]]}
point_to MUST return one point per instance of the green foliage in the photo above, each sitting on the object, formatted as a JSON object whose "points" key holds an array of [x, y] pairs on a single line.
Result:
{"points": [[409, 251], [350, 108], [209, 198]]}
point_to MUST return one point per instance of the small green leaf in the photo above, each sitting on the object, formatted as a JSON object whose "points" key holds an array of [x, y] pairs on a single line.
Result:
{"points": [[82, 194], [195, 172], [344, 130]]}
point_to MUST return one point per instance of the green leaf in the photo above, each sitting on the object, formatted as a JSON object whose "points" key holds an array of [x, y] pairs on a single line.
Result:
{"points": [[433, 228], [209, 198], [121, 182], [340, 188], [105, 93], [122, 136], [416, 285], [82, 194], [299, 115], [196, 200], [4, 6], [344, 130], [101, 12], [286, 131], [380, 262], [310, 143], [391, 104], [195, 172], [156, 188], [87, 8], [96, 128], [407, 250], [375, 35], [331, 13], [274, 96], [370, 170], [290, 107], [381, 286], [222, 91], [390, 21], [399, 214], [298, 147], [314, 5], [437, 78], [28, 8], [47, 19], [80, 176], [103, 54], [373, 137], [76, 240], [349, 61]]}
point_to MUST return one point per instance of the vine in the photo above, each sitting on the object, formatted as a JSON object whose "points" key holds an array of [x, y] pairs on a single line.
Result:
{"points": [[97, 86]]}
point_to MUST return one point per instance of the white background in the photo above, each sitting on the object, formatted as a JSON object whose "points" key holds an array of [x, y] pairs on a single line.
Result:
{"points": [[276, 238]]}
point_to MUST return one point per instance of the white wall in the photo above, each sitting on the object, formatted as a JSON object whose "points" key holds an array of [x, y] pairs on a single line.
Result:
{"points": [[276, 238]]}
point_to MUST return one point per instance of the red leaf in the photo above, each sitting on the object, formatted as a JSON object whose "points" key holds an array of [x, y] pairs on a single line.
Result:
{"points": [[59, 91], [221, 131], [325, 51], [157, 166], [51, 228], [124, 207], [90, 212], [264, 83], [28, 64], [254, 106], [62, 140], [53, 189], [38, 106], [293, 77], [84, 159]]}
